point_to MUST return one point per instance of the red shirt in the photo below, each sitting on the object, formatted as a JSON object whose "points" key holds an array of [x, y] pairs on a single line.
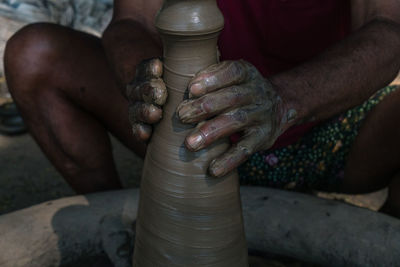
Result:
{"points": [[276, 35]]}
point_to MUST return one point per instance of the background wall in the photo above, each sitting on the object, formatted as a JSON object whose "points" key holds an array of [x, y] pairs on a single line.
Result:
{"points": [[86, 15]]}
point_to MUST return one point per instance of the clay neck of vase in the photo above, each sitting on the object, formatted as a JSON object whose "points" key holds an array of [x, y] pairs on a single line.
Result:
{"points": [[189, 17]]}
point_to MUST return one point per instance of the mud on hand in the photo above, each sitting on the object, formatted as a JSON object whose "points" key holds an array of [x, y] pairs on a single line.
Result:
{"points": [[231, 97], [146, 94]]}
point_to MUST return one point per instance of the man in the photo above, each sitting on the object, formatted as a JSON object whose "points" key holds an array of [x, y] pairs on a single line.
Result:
{"points": [[304, 62]]}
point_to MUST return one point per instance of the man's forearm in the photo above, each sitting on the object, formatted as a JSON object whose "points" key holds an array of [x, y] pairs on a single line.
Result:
{"points": [[126, 43], [343, 76]]}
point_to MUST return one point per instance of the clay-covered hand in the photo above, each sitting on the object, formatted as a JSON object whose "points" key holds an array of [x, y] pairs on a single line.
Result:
{"points": [[146, 94], [234, 97]]}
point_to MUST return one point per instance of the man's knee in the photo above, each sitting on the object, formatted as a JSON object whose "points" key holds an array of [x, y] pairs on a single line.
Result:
{"points": [[30, 54]]}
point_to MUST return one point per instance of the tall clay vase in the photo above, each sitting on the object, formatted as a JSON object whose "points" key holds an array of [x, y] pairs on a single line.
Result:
{"points": [[186, 217]]}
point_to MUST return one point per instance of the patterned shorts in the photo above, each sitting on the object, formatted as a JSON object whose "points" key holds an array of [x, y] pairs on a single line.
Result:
{"points": [[316, 160]]}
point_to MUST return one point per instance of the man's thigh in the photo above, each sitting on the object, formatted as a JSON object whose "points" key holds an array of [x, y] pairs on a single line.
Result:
{"points": [[374, 156]]}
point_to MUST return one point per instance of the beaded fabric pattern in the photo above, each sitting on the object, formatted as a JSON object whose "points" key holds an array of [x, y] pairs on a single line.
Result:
{"points": [[315, 161]]}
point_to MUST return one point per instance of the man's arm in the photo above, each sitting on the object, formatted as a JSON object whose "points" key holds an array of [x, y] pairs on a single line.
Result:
{"points": [[349, 72], [235, 97], [131, 37]]}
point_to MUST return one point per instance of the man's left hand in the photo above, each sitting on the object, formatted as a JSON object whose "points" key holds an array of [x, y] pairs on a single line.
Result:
{"points": [[235, 97]]}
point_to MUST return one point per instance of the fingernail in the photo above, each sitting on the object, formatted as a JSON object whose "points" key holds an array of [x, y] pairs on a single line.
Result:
{"points": [[153, 114], [182, 110], [195, 141], [141, 132], [217, 171], [196, 89], [157, 68], [185, 112]]}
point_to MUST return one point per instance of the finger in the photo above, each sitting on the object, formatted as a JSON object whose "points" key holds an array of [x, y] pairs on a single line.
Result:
{"points": [[148, 69], [218, 76], [152, 91], [224, 125], [238, 153], [141, 131], [144, 112], [190, 111]]}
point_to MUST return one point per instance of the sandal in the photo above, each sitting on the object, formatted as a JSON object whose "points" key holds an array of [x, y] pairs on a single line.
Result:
{"points": [[11, 123], [8, 109]]}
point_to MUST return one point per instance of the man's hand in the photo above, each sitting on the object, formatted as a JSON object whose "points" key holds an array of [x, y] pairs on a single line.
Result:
{"points": [[235, 97], [146, 94], [130, 38]]}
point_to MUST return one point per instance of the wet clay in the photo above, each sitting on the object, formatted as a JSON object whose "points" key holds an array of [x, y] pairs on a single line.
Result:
{"points": [[186, 217]]}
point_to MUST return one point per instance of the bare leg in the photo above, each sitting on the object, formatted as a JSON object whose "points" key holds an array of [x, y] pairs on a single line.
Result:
{"points": [[65, 91], [374, 159]]}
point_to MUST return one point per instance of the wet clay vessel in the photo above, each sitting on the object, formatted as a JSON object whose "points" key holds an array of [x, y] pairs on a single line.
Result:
{"points": [[186, 217]]}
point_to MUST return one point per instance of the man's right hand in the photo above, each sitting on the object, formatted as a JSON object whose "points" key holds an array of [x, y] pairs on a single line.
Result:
{"points": [[146, 94]]}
